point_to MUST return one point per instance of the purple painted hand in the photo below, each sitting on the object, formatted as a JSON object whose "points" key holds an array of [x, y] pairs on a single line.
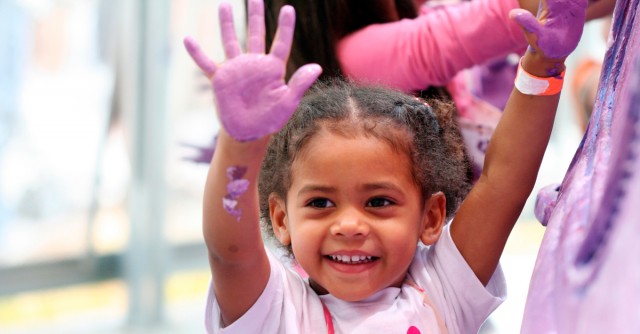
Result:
{"points": [[252, 98], [557, 29]]}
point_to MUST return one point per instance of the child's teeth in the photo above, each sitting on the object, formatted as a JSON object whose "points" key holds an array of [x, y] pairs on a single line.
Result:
{"points": [[351, 259]]}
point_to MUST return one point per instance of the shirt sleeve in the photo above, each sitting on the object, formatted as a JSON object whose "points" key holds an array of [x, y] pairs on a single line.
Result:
{"points": [[412, 54], [263, 315], [287, 305], [460, 298]]}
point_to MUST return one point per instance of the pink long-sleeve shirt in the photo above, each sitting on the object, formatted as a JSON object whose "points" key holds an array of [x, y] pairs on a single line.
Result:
{"points": [[412, 54]]}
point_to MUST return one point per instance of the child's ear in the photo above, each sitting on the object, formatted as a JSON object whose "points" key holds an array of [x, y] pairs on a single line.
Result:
{"points": [[434, 218], [279, 222]]}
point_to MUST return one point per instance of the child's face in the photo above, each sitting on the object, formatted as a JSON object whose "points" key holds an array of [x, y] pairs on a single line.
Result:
{"points": [[353, 215]]}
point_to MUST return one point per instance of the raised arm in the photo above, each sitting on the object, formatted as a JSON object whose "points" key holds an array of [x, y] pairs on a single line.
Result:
{"points": [[432, 48], [252, 101], [486, 217]]}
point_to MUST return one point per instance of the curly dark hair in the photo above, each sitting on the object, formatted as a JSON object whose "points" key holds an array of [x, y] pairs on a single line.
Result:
{"points": [[425, 130]]}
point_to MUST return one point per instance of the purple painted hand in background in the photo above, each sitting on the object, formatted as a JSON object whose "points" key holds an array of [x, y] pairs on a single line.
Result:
{"points": [[252, 98], [557, 29]]}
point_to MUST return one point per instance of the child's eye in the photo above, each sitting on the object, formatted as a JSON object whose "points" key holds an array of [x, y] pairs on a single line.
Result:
{"points": [[379, 202], [320, 203]]}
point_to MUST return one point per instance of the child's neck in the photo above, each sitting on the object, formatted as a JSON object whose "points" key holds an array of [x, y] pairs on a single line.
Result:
{"points": [[322, 291]]}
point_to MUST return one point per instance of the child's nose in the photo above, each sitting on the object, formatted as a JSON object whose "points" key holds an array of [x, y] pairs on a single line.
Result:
{"points": [[350, 224]]}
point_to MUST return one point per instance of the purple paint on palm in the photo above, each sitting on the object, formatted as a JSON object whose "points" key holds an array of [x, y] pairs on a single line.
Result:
{"points": [[586, 278]]}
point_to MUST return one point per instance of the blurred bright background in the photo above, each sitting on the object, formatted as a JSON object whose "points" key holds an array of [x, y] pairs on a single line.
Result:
{"points": [[100, 228]]}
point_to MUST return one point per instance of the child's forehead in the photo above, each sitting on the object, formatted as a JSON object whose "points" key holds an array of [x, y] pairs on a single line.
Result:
{"points": [[383, 134], [329, 142], [382, 130], [357, 156], [378, 127]]}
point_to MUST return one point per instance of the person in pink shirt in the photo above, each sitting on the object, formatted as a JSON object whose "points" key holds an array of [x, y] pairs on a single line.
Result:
{"points": [[414, 46]]}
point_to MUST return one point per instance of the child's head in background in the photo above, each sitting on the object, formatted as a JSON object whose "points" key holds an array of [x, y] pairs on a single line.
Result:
{"points": [[356, 178]]}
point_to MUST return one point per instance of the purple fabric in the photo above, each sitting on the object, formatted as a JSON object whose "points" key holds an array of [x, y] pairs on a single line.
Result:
{"points": [[494, 81], [546, 202], [587, 277]]}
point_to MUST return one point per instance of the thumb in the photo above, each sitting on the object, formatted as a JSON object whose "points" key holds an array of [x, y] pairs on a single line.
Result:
{"points": [[302, 79], [526, 20], [204, 63]]}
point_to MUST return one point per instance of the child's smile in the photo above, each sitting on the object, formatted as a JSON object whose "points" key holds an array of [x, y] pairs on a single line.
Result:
{"points": [[351, 263], [353, 214]]}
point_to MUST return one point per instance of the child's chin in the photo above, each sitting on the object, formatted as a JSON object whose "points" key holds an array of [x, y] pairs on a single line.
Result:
{"points": [[349, 295]]}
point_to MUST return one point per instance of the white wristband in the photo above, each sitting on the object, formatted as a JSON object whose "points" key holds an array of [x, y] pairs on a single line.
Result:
{"points": [[530, 84]]}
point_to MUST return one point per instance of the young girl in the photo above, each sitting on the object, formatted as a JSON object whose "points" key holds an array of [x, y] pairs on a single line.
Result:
{"points": [[359, 183]]}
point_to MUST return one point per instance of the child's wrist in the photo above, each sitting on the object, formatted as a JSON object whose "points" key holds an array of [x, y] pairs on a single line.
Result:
{"points": [[228, 143], [535, 63]]}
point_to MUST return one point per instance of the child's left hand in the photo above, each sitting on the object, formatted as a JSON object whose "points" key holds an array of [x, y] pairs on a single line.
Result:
{"points": [[556, 31], [252, 98]]}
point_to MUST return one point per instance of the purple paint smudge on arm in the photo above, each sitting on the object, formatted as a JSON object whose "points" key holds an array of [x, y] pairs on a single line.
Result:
{"points": [[236, 172], [555, 71], [235, 188], [229, 204]]}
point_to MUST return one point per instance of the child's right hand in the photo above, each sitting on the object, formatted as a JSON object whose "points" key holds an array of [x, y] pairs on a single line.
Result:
{"points": [[252, 98], [556, 31]]}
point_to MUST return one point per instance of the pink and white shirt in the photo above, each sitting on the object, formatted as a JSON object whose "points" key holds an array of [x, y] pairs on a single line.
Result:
{"points": [[452, 295]]}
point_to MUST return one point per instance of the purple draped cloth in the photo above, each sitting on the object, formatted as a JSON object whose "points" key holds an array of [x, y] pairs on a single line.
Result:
{"points": [[587, 274]]}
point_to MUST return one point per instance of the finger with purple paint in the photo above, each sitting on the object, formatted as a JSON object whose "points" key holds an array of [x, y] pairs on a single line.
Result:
{"points": [[228, 31], [207, 65], [256, 36], [556, 30], [284, 35]]}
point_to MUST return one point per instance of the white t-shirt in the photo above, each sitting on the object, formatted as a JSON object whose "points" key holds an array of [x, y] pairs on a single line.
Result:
{"points": [[451, 292]]}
